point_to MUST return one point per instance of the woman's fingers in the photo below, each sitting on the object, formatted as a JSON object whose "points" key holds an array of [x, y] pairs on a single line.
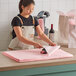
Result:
{"points": [[37, 45], [53, 44]]}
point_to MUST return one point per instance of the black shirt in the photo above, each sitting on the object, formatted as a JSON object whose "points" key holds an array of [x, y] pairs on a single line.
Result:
{"points": [[26, 22]]}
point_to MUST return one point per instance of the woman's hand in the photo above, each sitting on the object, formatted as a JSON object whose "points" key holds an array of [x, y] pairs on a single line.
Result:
{"points": [[37, 45], [52, 44]]}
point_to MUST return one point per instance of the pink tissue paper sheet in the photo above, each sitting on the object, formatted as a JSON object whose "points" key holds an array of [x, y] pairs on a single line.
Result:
{"points": [[35, 55], [41, 23]]}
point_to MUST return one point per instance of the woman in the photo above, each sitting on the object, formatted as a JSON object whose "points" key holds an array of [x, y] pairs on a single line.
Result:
{"points": [[23, 28]]}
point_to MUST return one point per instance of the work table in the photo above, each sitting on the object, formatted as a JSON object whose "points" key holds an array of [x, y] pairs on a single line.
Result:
{"points": [[7, 65]]}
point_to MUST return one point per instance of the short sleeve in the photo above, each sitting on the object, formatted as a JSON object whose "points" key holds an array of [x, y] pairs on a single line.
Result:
{"points": [[36, 22], [16, 22]]}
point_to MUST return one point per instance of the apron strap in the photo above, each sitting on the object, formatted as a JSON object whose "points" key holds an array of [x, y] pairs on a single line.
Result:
{"points": [[20, 20], [33, 20]]}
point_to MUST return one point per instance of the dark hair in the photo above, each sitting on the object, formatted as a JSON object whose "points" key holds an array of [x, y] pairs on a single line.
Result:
{"points": [[25, 3]]}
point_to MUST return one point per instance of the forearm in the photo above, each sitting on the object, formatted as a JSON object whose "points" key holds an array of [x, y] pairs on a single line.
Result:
{"points": [[23, 39], [26, 41], [45, 38]]}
